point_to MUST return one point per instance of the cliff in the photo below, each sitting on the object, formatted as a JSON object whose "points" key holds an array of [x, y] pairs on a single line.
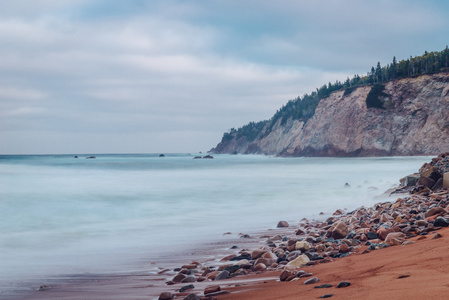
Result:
{"points": [[413, 121]]}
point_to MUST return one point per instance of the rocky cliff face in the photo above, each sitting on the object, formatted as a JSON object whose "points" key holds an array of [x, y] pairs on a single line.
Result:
{"points": [[416, 122]]}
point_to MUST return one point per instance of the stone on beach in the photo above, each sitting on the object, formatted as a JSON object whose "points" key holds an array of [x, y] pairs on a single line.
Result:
{"points": [[300, 261], [343, 284], [395, 238], [192, 297], [311, 280], [166, 296], [212, 289], [223, 275], [434, 211], [340, 230], [302, 245]]}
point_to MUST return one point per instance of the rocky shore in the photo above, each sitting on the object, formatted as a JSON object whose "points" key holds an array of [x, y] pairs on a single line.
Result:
{"points": [[415, 216], [392, 250]]}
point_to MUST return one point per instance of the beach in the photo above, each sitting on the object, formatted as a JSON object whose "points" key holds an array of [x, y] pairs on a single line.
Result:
{"points": [[364, 246]]}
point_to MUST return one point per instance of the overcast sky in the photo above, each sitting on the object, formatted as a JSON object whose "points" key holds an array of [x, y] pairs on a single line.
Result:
{"points": [[137, 76]]}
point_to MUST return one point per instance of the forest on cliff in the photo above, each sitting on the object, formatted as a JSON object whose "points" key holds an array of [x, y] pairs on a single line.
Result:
{"points": [[303, 108]]}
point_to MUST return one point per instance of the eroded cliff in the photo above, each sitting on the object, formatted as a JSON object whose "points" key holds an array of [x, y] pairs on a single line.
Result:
{"points": [[415, 122]]}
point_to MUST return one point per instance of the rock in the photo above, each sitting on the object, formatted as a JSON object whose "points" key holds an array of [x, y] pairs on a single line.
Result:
{"points": [[302, 245], [340, 230], [371, 235], [282, 224], [327, 296], [395, 238], [300, 261], [166, 296], [311, 280], [179, 277], [208, 156], [300, 231], [285, 274], [344, 248], [257, 253], [189, 266], [260, 267], [343, 284], [427, 182], [403, 276], [192, 297], [161, 155], [212, 275], [411, 180], [186, 287], [436, 236], [293, 255], [441, 222], [189, 279], [323, 286], [338, 212], [212, 289], [434, 211], [406, 243], [223, 275]]}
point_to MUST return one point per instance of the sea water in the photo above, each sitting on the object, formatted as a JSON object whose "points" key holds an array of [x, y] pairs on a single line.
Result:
{"points": [[65, 215]]}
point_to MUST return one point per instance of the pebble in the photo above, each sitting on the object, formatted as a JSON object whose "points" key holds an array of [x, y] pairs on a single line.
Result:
{"points": [[311, 280], [186, 287], [192, 297], [323, 286], [343, 284], [166, 296], [223, 275], [327, 296]]}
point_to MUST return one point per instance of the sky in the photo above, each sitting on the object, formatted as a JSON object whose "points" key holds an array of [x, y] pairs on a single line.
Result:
{"points": [[171, 76]]}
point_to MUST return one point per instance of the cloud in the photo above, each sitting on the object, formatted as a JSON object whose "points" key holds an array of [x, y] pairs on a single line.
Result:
{"points": [[98, 71]]}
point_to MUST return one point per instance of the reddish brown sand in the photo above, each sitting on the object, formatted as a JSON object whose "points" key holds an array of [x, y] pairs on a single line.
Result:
{"points": [[374, 275]]}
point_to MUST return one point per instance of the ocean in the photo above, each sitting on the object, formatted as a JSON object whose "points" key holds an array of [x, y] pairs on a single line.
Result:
{"points": [[63, 215]]}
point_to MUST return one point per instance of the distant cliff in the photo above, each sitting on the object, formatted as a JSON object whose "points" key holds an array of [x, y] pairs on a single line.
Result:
{"points": [[407, 116]]}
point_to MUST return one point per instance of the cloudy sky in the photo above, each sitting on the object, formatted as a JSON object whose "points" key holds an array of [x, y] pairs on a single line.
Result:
{"points": [[159, 76]]}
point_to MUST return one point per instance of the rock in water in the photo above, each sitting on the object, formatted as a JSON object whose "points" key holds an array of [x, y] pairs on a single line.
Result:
{"points": [[166, 296], [282, 224], [192, 297], [223, 275], [186, 287]]}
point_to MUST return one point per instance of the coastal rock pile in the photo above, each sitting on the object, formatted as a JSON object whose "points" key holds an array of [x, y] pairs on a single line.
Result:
{"points": [[414, 216], [430, 176]]}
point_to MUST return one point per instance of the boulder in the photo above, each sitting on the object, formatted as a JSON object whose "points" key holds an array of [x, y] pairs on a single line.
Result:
{"points": [[426, 181]]}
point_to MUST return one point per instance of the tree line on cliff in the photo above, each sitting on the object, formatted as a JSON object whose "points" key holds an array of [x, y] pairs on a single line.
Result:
{"points": [[303, 108]]}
